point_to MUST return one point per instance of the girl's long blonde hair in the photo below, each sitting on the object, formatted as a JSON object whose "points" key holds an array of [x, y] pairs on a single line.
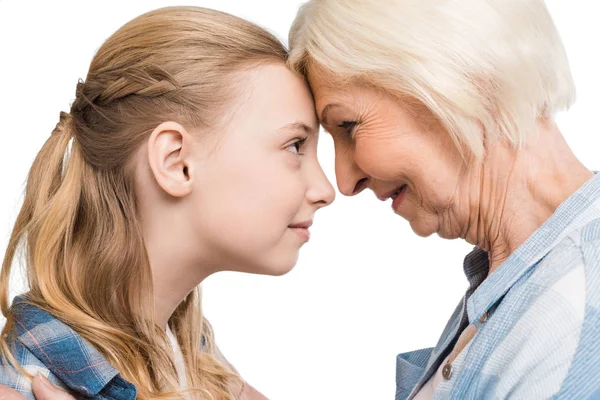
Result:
{"points": [[78, 227]]}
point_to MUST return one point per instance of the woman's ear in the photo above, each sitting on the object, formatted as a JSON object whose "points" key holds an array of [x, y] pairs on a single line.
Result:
{"points": [[169, 152]]}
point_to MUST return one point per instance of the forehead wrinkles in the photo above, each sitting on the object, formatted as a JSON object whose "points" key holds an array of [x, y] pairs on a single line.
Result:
{"points": [[362, 100]]}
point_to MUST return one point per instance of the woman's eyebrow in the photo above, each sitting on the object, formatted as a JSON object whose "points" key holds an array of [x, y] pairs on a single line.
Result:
{"points": [[323, 118]]}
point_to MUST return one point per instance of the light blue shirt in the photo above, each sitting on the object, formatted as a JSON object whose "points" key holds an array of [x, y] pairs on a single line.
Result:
{"points": [[537, 317]]}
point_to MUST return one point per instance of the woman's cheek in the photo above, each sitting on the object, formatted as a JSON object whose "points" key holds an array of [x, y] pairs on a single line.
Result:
{"points": [[380, 159]]}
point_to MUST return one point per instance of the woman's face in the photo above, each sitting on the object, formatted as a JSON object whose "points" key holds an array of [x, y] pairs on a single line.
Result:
{"points": [[396, 151], [262, 184]]}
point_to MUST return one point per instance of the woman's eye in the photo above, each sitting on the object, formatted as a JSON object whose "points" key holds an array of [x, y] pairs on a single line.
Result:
{"points": [[296, 146], [348, 127]]}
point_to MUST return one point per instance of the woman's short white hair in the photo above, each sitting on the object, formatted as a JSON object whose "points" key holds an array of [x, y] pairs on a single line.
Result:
{"points": [[493, 66]]}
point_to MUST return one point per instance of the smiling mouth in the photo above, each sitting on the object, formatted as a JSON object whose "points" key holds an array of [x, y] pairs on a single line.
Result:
{"points": [[397, 192]]}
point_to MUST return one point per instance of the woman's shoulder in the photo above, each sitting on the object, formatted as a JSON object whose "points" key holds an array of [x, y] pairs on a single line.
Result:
{"points": [[553, 313], [565, 283], [579, 248], [588, 235]]}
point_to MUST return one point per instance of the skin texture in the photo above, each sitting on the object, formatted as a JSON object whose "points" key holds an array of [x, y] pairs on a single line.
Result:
{"points": [[383, 143], [210, 204]]}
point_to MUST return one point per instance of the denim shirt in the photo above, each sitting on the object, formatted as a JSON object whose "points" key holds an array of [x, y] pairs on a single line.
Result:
{"points": [[43, 344], [537, 317]]}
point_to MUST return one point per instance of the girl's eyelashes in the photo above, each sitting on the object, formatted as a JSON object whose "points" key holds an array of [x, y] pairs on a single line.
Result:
{"points": [[349, 127], [297, 146]]}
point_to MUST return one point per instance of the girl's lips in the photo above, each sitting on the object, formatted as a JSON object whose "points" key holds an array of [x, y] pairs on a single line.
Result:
{"points": [[301, 229], [303, 225], [304, 233]]}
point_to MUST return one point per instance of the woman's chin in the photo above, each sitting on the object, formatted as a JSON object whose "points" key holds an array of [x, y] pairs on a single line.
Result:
{"points": [[421, 229]]}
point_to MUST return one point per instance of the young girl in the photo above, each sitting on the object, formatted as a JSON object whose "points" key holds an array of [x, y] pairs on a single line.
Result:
{"points": [[189, 149]]}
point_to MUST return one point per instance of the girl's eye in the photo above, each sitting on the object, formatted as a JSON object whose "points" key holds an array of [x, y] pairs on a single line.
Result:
{"points": [[296, 146], [349, 127]]}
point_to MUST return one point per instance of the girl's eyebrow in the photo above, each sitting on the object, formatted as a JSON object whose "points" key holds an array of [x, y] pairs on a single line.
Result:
{"points": [[298, 126]]}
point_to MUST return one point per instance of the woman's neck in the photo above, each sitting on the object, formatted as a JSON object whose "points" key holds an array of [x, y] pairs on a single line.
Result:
{"points": [[520, 190]]}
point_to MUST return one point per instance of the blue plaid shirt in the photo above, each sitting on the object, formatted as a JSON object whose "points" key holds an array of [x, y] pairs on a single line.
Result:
{"points": [[537, 317], [43, 344]]}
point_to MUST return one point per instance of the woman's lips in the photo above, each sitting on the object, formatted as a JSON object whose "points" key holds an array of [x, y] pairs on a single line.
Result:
{"points": [[398, 197]]}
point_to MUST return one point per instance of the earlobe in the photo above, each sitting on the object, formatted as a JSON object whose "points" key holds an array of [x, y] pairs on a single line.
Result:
{"points": [[169, 158]]}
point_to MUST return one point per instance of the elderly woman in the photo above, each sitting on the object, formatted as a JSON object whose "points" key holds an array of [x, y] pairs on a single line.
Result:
{"points": [[447, 107]]}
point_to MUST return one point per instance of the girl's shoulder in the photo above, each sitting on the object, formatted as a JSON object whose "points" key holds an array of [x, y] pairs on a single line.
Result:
{"points": [[13, 378], [41, 342]]}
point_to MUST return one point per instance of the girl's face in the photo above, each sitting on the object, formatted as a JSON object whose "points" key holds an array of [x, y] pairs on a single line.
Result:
{"points": [[257, 190]]}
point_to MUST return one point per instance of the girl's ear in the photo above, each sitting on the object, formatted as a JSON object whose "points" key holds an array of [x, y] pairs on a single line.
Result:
{"points": [[168, 157]]}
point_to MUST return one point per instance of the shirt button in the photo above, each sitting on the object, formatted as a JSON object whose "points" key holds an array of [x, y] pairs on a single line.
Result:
{"points": [[447, 371], [484, 318]]}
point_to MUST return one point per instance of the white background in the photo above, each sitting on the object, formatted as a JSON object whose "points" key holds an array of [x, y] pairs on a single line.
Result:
{"points": [[365, 288]]}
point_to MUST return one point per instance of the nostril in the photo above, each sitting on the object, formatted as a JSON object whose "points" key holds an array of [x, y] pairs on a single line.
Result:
{"points": [[360, 185]]}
